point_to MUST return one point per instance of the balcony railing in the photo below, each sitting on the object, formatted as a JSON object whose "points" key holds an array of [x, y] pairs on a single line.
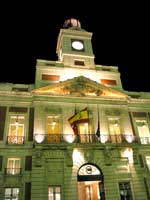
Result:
{"points": [[89, 138], [13, 171], [15, 139]]}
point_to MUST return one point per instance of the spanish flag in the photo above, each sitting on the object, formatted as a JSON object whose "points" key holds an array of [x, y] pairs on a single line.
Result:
{"points": [[80, 117]]}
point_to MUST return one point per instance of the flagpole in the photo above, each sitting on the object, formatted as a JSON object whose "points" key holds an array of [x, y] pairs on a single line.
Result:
{"points": [[98, 124], [88, 122]]}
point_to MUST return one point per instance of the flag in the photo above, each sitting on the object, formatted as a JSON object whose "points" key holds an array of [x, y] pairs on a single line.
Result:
{"points": [[79, 117], [98, 127]]}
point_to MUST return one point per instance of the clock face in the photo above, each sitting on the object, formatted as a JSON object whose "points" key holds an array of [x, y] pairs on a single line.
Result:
{"points": [[77, 45]]}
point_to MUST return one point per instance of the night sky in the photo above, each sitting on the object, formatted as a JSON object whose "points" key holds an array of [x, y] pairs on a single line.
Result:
{"points": [[120, 38]]}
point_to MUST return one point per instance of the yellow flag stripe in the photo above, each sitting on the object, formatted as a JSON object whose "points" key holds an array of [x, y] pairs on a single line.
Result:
{"points": [[82, 115]]}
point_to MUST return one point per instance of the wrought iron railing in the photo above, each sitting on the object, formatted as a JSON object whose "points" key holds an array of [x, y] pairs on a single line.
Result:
{"points": [[13, 171], [15, 139], [89, 138]]}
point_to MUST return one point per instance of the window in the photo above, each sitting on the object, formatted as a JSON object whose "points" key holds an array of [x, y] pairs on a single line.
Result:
{"points": [[27, 191], [11, 194], [125, 191], [108, 81], [147, 158], [49, 77], [13, 166], [16, 130], [84, 132], [79, 62], [53, 128], [28, 163], [143, 131], [54, 193], [115, 130], [2, 121]]}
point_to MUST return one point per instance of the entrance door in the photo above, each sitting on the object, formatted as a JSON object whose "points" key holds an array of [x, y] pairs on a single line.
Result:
{"points": [[90, 183]]}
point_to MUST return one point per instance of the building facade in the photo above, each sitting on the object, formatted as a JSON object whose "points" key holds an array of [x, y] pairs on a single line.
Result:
{"points": [[75, 134]]}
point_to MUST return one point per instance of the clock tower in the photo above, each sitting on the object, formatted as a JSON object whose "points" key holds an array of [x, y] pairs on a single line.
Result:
{"points": [[74, 47]]}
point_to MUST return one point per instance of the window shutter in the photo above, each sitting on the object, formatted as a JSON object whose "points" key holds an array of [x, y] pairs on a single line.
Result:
{"points": [[2, 121], [28, 191], [1, 162], [28, 163], [31, 123]]}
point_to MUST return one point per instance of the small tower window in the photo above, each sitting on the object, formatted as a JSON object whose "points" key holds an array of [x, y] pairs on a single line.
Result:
{"points": [[49, 77], [109, 81], [79, 62]]}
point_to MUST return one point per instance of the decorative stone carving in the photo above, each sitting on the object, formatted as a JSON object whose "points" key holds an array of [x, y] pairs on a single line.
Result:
{"points": [[81, 87], [89, 155], [38, 158], [54, 110], [107, 155], [112, 112]]}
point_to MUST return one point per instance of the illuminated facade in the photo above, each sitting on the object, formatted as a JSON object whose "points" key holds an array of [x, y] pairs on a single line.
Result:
{"points": [[101, 153]]}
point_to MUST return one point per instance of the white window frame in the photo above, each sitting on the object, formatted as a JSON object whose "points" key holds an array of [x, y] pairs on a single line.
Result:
{"points": [[16, 121], [114, 136], [147, 159], [131, 189], [143, 130], [11, 167], [11, 193], [54, 195]]}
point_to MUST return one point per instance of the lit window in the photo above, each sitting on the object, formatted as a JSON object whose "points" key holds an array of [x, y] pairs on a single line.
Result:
{"points": [[108, 81], [125, 191], [54, 193], [143, 131], [11, 193], [84, 132], [49, 77], [16, 130], [53, 128], [148, 162], [127, 153], [13, 166], [115, 130]]}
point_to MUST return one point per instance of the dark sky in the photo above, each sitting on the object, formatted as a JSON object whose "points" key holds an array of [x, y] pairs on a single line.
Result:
{"points": [[120, 37]]}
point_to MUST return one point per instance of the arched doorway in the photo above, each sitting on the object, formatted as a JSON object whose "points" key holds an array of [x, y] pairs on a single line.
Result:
{"points": [[90, 183]]}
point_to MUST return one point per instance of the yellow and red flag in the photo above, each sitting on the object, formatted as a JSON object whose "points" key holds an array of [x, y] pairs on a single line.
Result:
{"points": [[80, 117]]}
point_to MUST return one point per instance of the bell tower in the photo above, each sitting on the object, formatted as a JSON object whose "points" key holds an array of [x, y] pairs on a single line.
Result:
{"points": [[74, 46]]}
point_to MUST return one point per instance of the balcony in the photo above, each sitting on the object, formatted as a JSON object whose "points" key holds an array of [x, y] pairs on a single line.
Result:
{"points": [[15, 139], [89, 138], [13, 171]]}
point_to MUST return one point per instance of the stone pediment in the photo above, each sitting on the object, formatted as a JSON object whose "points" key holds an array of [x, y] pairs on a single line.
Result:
{"points": [[80, 87]]}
